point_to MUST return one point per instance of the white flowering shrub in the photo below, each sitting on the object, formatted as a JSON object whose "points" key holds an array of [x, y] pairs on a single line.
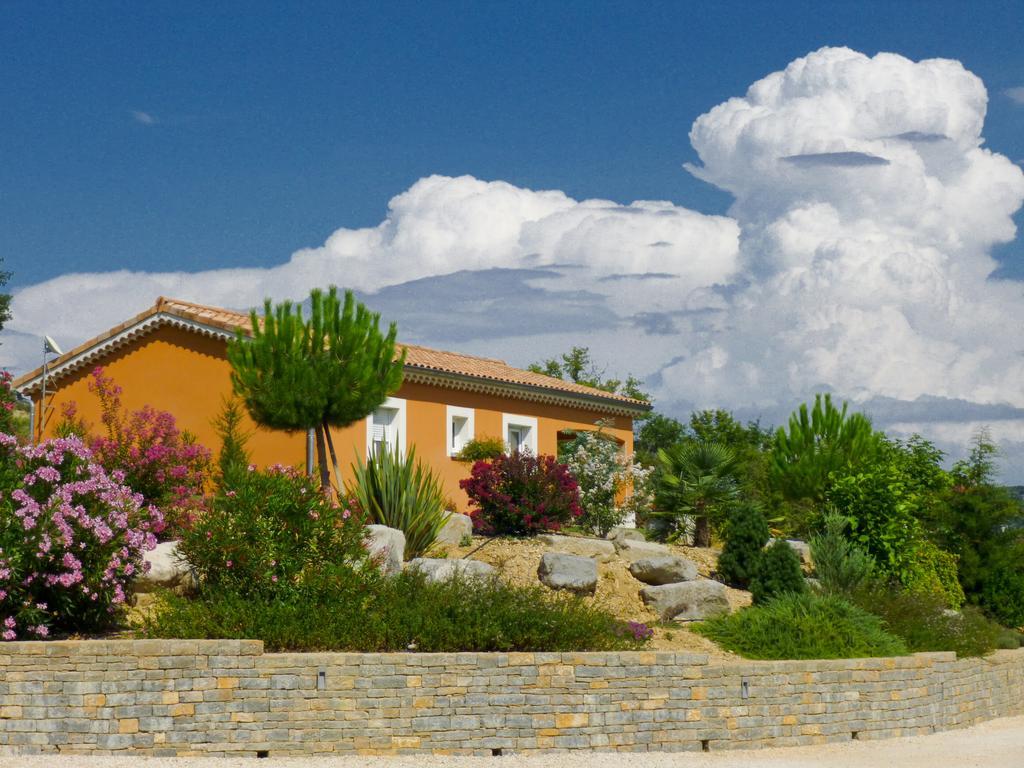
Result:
{"points": [[614, 490]]}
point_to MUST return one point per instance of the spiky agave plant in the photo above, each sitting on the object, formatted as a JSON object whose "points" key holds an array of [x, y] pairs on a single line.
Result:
{"points": [[400, 492]]}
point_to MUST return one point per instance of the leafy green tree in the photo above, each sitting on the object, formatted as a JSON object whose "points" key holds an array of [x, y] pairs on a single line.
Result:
{"points": [[577, 366], [655, 433], [886, 502], [980, 523], [751, 444], [696, 480], [328, 371], [819, 441]]}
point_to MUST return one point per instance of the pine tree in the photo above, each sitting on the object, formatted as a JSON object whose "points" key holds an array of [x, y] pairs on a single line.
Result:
{"points": [[328, 371], [233, 458]]}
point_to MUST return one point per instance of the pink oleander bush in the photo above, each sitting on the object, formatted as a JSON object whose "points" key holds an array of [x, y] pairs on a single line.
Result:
{"points": [[270, 533], [72, 537], [7, 401], [166, 465], [521, 495]]}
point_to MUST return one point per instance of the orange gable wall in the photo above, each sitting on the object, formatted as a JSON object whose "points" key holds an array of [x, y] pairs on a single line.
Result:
{"points": [[188, 374]]}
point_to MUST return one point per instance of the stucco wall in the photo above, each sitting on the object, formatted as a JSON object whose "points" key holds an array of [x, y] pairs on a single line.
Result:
{"points": [[188, 374], [227, 697]]}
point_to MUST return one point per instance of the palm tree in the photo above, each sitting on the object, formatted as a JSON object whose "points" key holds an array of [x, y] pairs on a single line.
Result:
{"points": [[697, 480]]}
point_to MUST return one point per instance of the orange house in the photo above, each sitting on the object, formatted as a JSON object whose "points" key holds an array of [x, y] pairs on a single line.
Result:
{"points": [[173, 356]]}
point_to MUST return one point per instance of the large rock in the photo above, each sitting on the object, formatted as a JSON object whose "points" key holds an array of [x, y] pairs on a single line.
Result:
{"points": [[457, 528], [442, 569], [561, 571], [599, 549], [167, 569], [386, 545], [688, 600], [631, 550], [625, 532], [664, 569]]}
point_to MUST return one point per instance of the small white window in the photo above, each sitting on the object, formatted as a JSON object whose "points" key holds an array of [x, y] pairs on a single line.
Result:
{"points": [[520, 433], [460, 428], [386, 426]]}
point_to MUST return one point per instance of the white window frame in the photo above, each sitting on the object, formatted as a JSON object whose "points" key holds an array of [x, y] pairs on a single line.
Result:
{"points": [[398, 405], [451, 413], [513, 420]]}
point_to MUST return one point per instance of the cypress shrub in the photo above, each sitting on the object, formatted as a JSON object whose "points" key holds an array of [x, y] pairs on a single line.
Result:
{"points": [[745, 537], [778, 573]]}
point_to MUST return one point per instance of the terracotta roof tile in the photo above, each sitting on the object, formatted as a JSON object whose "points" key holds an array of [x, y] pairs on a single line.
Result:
{"points": [[417, 357]]}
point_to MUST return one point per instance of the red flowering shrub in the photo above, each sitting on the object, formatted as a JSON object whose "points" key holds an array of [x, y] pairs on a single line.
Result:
{"points": [[158, 460], [521, 495], [72, 537]]}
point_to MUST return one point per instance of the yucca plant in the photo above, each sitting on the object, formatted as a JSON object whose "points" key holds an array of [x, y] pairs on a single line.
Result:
{"points": [[400, 493]]}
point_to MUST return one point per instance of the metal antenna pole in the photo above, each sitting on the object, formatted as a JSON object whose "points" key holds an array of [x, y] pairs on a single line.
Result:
{"points": [[42, 396]]}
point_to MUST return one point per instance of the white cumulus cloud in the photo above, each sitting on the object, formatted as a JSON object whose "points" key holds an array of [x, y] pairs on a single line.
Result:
{"points": [[856, 258]]}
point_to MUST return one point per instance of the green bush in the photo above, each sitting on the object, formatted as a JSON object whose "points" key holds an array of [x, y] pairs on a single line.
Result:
{"points": [[803, 627], [481, 449], [778, 573], [840, 565], [274, 530], [934, 573], [1003, 594], [343, 612], [924, 623], [745, 538], [401, 493]]}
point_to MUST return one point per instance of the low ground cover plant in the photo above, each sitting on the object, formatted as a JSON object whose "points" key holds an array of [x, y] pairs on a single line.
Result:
{"points": [[803, 626], [343, 610], [72, 537], [924, 623], [520, 494]]}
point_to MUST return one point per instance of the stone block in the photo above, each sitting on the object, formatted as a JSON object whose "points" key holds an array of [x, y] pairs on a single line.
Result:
{"points": [[600, 549], [572, 572], [439, 569], [456, 529], [688, 600], [631, 549], [663, 569], [386, 546]]}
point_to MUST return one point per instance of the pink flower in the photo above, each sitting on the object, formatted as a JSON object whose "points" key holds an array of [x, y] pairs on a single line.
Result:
{"points": [[228, 563]]}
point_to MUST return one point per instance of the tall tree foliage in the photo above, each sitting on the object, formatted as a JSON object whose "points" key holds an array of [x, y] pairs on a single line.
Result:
{"points": [[576, 365], [5, 299], [819, 441], [328, 371]]}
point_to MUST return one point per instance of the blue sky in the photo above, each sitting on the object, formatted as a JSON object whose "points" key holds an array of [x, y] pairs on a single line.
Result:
{"points": [[275, 124], [507, 179]]}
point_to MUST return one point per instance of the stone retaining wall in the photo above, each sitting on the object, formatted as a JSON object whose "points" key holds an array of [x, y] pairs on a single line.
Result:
{"points": [[228, 697]]}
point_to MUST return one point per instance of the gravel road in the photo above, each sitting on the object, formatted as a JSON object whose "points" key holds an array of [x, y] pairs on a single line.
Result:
{"points": [[995, 744]]}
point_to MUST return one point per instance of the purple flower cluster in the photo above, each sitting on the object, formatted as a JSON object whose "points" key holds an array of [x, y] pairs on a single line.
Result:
{"points": [[71, 538]]}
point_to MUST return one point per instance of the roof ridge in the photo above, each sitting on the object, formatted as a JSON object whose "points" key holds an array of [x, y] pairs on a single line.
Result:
{"points": [[444, 362]]}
